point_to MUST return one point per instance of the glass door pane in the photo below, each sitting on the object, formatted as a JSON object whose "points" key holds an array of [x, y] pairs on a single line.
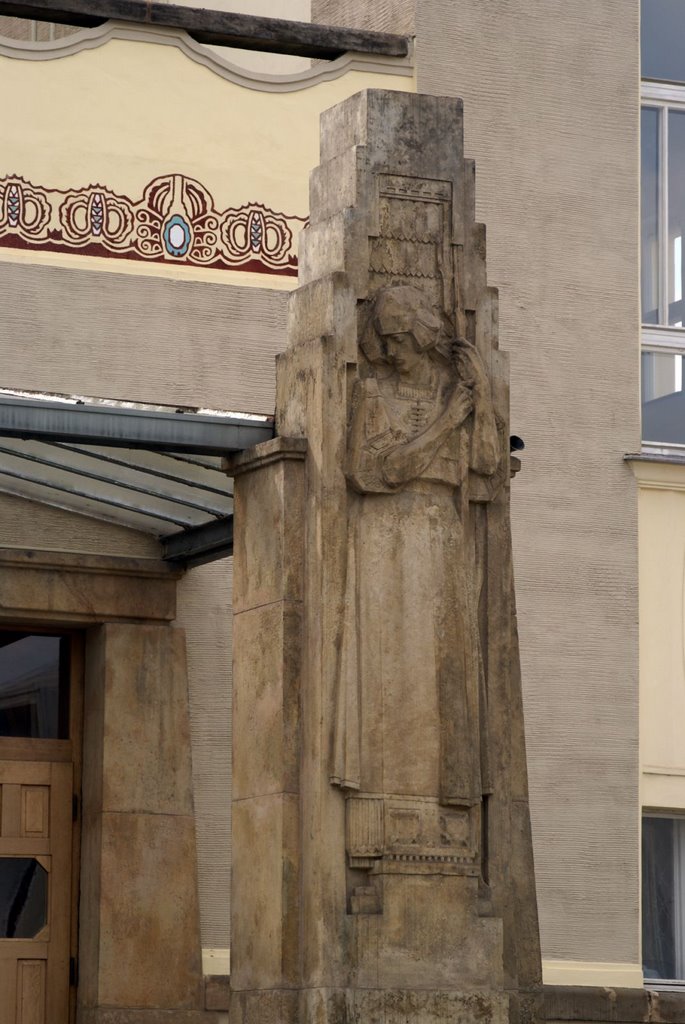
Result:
{"points": [[34, 685], [676, 216], [650, 215]]}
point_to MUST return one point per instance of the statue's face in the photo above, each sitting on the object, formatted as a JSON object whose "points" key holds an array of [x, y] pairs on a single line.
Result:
{"points": [[403, 353]]}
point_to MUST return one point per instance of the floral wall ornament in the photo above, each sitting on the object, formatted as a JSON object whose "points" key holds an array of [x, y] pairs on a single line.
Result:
{"points": [[175, 221]]}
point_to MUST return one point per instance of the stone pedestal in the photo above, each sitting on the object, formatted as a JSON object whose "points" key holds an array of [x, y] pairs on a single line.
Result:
{"points": [[382, 858]]}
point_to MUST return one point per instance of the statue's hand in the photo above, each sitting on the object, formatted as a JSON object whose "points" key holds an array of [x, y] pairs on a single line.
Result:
{"points": [[472, 364], [459, 404]]}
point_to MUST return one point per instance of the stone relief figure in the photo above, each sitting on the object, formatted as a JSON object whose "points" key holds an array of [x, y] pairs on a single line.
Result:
{"points": [[411, 676]]}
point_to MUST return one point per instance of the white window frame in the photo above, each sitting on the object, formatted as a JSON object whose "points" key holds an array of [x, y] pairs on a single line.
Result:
{"points": [[661, 338]]}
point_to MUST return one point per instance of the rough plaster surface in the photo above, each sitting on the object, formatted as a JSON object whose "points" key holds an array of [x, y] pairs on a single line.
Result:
{"points": [[551, 113], [380, 16], [28, 524], [204, 610], [143, 339]]}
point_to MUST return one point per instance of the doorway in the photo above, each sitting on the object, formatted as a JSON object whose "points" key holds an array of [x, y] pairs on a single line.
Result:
{"points": [[41, 673]]}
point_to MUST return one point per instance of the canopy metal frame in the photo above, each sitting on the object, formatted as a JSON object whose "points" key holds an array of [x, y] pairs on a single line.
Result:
{"points": [[160, 472]]}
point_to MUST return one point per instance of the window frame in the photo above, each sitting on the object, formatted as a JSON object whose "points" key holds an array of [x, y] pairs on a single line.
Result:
{"points": [[669, 984], [662, 338]]}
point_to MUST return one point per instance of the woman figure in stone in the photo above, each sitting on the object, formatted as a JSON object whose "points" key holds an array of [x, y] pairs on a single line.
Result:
{"points": [[410, 667]]}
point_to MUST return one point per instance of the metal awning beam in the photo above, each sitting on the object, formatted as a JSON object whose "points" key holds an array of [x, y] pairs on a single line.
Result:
{"points": [[216, 28], [131, 428], [200, 544]]}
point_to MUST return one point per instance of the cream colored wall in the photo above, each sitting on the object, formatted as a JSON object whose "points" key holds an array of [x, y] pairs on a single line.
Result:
{"points": [[272, 63], [72, 129], [551, 95], [662, 634]]}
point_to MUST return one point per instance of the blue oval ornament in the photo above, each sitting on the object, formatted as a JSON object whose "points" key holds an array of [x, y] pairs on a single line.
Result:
{"points": [[177, 236]]}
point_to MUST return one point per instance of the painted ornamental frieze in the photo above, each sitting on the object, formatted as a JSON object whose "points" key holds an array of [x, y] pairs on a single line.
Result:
{"points": [[176, 221]]}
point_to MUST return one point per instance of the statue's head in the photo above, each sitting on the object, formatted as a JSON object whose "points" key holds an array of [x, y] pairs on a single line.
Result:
{"points": [[401, 318]]}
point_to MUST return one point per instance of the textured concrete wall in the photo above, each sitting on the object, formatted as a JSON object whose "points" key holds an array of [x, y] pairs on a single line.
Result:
{"points": [[551, 112], [380, 16], [204, 611], [27, 524], [138, 338]]}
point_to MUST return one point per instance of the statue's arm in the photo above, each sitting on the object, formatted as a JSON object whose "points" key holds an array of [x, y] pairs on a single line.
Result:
{"points": [[485, 448], [369, 437], [408, 461]]}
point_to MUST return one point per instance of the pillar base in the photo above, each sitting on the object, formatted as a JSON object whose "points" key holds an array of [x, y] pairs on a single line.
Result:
{"points": [[369, 1006]]}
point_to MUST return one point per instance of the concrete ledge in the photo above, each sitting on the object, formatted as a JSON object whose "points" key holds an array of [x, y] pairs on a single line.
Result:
{"points": [[619, 1005], [70, 587], [133, 1015]]}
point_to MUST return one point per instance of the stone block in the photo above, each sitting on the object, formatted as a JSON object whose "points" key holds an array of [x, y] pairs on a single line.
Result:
{"points": [[324, 307], [145, 710], [149, 934], [217, 992], [606, 1005], [266, 702], [268, 507], [264, 924], [275, 1007], [429, 935], [397, 1006], [111, 1015], [85, 588]]}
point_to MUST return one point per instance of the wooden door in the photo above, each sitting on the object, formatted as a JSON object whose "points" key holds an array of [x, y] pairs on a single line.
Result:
{"points": [[35, 891], [41, 673]]}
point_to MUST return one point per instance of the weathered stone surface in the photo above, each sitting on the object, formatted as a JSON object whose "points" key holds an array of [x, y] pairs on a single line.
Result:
{"points": [[217, 991], [139, 910], [146, 709], [267, 652], [379, 746], [267, 548], [109, 1015], [148, 912], [87, 588]]}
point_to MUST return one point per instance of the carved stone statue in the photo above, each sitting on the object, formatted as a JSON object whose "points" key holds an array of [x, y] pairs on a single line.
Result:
{"points": [[382, 866], [411, 669]]}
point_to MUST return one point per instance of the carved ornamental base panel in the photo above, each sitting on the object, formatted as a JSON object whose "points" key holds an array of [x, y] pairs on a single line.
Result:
{"points": [[411, 835]]}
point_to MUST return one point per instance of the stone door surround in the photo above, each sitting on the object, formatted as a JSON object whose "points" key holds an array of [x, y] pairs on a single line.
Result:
{"points": [[139, 935]]}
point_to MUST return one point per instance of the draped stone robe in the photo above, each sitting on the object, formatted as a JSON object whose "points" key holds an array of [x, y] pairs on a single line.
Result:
{"points": [[411, 676]]}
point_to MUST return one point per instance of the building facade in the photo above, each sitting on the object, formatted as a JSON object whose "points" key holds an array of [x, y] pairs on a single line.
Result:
{"points": [[114, 131]]}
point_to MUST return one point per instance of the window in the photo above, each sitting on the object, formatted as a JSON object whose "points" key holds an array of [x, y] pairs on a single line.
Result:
{"points": [[663, 898], [34, 685], [662, 253]]}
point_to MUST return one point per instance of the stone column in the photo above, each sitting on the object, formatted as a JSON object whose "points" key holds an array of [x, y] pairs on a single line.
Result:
{"points": [[139, 920], [385, 872], [267, 646]]}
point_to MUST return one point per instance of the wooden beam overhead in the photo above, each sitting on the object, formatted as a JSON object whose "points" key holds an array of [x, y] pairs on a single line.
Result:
{"points": [[215, 28]]}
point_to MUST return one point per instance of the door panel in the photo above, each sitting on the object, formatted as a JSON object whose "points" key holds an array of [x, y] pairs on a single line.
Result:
{"points": [[35, 891]]}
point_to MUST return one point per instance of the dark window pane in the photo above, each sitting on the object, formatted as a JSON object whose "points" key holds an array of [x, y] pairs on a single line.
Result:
{"points": [[649, 234], [23, 897], [662, 37], [663, 398], [658, 898], [34, 685]]}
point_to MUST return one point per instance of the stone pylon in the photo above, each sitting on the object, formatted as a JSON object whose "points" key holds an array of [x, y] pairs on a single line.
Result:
{"points": [[383, 869]]}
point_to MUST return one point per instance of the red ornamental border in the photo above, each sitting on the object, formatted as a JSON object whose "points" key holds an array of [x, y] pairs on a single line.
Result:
{"points": [[175, 221]]}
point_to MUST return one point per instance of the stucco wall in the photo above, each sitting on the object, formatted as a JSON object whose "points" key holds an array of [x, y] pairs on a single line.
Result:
{"points": [[662, 633], [551, 112], [143, 339]]}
